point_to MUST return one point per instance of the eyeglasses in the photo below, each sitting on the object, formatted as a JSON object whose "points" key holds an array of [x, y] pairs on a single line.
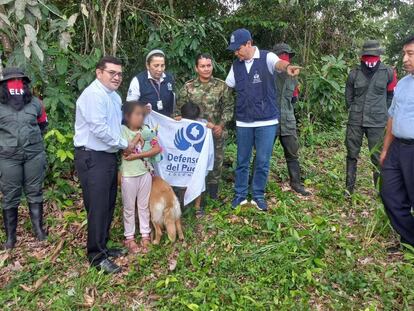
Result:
{"points": [[113, 74]]}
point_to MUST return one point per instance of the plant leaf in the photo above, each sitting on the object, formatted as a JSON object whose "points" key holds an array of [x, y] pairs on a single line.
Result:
{"points": [[26, 48], [72, 20], [65, 40], [62, 65], [35, 11], [5, 1], [38, 51], [5, 19], [30, 32], [20, 6], [84, 10]]}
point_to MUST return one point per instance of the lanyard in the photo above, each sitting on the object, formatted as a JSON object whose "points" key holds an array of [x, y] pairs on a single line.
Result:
{"points": [[157, 90]]}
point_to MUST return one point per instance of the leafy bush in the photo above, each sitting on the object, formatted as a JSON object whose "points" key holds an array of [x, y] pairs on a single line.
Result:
{"points": [[183, 40], [323, 101]]}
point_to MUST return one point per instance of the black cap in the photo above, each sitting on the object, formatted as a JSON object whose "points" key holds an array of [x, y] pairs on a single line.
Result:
{"points": [[281, 48], [372, 47], [13, 73]]}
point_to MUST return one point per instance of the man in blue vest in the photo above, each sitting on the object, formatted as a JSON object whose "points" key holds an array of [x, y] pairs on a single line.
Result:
{"points": [[154, 86], [257, 115]]}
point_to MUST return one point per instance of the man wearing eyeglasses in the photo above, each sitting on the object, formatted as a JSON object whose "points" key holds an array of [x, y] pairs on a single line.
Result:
{"points": [[97, 140]]}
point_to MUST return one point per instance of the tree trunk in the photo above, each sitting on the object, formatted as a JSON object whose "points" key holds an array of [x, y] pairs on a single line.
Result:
{"points": [[116, 27], [5, 41], [171, 4], [104, 17]]}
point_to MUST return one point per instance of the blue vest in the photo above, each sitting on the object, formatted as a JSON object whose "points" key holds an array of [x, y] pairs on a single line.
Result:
{"points": [[256, 91], [149, 88]]}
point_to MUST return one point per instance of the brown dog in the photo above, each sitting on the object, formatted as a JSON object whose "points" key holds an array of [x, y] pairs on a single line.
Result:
{"points": [[165, 210]]}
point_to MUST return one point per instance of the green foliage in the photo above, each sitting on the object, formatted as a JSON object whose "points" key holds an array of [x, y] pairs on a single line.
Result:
{"points": [[397, 30], [323, 100], [183, 40]]}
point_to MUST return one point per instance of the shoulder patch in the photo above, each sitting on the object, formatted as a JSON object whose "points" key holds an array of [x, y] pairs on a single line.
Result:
{"points": [[189, 81], [219, 80]]}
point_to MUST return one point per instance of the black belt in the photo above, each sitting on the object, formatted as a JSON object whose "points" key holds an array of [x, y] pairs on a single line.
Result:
{"points": [[405, 141], [83, 148]]}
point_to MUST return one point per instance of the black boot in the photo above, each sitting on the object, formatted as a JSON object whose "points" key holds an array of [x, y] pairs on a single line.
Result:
{"points": [[212, 191], [36, 216], [351, 169], [10, 226], [294, 175]]}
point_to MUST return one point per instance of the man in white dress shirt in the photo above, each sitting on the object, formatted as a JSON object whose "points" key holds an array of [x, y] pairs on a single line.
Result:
{"points": [[97, 140]]}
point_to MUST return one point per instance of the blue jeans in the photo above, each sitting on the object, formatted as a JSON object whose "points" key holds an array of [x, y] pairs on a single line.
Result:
{"points": [[262, 139]]}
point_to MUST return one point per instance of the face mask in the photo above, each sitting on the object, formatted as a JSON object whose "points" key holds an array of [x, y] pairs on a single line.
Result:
{"points": [[285, 57], [15, 88], [370, 60]]}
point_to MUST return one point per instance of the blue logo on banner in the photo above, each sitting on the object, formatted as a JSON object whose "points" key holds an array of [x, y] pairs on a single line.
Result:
{"points": [[192, 136]]}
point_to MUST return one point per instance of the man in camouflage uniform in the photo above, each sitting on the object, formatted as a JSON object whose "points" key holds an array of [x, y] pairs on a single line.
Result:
{"points": [[216, 104], [369, 92], [287, 95]]}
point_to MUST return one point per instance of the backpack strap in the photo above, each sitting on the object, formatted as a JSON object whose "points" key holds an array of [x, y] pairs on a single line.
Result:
{"points": [[390, 72]]}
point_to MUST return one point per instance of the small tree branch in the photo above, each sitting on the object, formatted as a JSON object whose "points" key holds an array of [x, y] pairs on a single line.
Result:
{"points": [[86, 33], [105, 14]]}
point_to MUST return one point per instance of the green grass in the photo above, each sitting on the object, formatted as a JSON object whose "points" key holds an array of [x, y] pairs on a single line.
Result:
{"points": [[322, 253]]}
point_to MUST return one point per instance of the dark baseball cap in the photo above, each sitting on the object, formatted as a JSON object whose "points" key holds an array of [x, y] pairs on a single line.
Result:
{"points": [[238, 38]]}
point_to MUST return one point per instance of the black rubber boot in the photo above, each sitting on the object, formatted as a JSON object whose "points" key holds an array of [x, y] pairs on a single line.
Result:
{"points": [[10, 226], [212, 191], [351, 170], [294, 175], [36, 216]]}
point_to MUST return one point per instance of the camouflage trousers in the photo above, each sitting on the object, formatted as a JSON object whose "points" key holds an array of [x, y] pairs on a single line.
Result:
{"points": [[214, 176]]}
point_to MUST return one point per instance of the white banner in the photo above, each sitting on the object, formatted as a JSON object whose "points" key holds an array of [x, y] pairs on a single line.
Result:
{"points": [[187, 153]]}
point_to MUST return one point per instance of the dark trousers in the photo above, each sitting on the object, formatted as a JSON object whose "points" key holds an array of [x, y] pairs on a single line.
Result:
{"points": [[97, 173], [290, 146], [22, 175], [397, 190], [353, 142]]}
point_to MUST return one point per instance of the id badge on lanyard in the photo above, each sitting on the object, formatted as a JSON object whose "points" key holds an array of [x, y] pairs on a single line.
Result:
{"points": [[158, 91], [159, 105]]}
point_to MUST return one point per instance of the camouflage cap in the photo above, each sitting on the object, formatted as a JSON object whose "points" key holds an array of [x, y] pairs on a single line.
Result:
{"points": [[372, 47], [280, 48], [13, 73]]}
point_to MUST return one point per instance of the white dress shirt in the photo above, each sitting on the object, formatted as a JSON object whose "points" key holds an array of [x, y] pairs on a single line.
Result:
{"points": [[271, 60], [98, 119]]}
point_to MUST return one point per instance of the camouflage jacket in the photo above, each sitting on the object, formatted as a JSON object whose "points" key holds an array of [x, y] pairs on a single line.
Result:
{"points": [[214, 99]]}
